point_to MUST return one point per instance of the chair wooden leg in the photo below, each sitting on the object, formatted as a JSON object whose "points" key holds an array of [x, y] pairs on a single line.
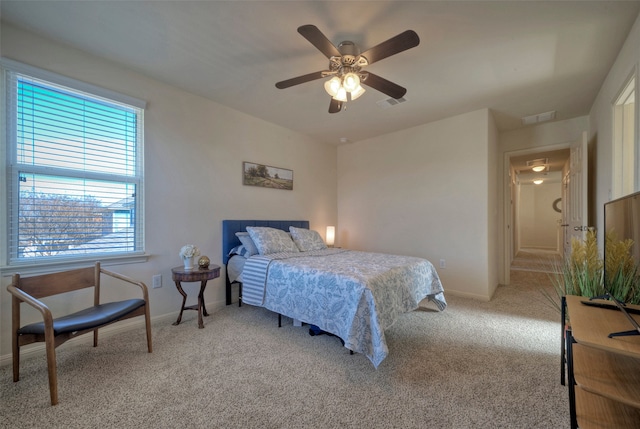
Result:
{"points": [[15, 349], [95, 338], [147, 322], [52, 368], [15, 345]]}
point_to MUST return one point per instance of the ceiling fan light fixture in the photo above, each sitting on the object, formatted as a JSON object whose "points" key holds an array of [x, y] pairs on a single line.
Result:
{"points": [[351, 82], [332, 86], [341, 95], [345, 65], [357, 92]]}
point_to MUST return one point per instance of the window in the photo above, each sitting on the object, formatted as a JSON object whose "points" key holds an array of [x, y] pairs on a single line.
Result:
{"points": [[625, 153], [74, 169]]}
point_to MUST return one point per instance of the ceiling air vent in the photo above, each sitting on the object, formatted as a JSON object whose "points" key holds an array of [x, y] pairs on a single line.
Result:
{"points": [[389, 102], [540, 117], [539, 161]]}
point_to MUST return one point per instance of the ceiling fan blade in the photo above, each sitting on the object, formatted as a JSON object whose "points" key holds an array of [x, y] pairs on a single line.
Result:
{"points": [[319, 40], [403, 41], [298, 80], [383, 85], [335, 106]]}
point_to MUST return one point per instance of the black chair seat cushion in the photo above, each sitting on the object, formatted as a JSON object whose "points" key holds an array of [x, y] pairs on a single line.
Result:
{"points": [[88, 318]]}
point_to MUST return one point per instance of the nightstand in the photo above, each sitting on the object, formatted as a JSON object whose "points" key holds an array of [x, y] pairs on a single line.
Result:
{"points": [[179, 274]]}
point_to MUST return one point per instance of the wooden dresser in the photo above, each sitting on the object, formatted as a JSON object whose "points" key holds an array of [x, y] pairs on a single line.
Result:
{"points": [[603, 373]]}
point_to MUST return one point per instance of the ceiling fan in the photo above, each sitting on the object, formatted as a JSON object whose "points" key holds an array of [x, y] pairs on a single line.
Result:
{"points": [[346, 63]]}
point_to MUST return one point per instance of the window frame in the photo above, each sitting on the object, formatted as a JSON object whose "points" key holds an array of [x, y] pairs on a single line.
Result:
{"points": [[618, 117], [8, 149]]}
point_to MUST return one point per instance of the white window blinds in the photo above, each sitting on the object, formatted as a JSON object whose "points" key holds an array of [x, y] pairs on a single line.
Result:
{"points": [[75, 172]]}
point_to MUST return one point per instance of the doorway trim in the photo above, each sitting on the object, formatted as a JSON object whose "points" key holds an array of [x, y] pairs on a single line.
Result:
{"points": [[507, 214]]}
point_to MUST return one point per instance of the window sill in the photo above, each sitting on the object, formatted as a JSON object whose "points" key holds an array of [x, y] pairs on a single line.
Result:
{"points": [[53, 266]]}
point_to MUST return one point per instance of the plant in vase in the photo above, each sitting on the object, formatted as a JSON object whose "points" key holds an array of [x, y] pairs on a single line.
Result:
{"points": [[188, 253], [583, 273]]}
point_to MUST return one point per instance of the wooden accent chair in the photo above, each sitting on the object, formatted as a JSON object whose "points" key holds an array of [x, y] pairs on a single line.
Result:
{"points": [[56, 331]]}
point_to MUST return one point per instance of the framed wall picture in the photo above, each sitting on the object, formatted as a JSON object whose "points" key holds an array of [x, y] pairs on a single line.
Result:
{"points": [[266, 176]]}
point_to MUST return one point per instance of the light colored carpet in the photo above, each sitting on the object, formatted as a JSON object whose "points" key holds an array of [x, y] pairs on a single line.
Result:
{"points": [[536, 260], [476, 365]]}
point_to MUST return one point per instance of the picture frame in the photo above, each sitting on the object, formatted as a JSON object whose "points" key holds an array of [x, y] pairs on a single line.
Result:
{"points": [[266, 176]]}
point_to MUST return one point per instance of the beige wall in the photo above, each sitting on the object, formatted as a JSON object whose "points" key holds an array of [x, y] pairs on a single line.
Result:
{"points": [[538, 221], [545, 134], [493, 227], [426, 192], [601, 131], [194, 150]]}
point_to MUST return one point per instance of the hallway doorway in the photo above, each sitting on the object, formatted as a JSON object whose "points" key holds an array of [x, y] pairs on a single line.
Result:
{"points": [[535, 205]]}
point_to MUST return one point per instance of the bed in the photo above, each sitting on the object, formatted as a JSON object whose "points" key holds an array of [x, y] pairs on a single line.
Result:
{"points": [[351, 294]]}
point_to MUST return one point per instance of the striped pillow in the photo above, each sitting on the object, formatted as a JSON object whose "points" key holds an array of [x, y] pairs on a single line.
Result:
{"points": [[241, 251]]}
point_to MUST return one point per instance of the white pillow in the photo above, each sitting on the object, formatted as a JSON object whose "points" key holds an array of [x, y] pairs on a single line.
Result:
{"points": [[248, 243], [306, 239], [271, 240]]}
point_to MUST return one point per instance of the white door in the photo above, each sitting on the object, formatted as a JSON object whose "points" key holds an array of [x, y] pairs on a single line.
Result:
{"points": [[576, 207]]}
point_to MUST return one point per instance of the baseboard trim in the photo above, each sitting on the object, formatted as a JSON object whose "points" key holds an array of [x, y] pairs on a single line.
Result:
{"points": [[467, 295]]}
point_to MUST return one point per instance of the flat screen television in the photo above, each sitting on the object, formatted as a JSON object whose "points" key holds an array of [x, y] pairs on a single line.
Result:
{"points": [[622, 255], [622, 246]]}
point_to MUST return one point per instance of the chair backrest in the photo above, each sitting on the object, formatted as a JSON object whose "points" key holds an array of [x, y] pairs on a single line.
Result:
{"points": [[56, 283]]}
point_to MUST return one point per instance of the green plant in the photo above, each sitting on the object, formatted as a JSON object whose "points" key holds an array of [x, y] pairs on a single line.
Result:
{"points": [[580, 274], [622, 278], [583, 272]]}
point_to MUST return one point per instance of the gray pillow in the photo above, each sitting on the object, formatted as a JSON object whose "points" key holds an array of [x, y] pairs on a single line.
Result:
{"points": [[307, 239], [248, 243], [271, 240]]}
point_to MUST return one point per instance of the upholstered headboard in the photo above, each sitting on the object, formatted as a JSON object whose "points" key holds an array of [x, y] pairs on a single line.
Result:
{"points": [[230, 227]]}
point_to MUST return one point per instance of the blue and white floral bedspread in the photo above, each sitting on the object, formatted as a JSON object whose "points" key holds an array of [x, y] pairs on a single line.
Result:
{"points": [[354, 295]]}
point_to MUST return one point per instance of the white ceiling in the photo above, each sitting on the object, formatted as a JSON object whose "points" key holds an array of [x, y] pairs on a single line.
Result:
{"points": [[517, 58]]}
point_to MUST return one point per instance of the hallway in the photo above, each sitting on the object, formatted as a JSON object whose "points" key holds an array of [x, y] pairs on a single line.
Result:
{"points": [[536, 260], [533, 267]]}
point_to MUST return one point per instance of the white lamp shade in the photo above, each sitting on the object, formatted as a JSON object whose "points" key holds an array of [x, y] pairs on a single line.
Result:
{"points": [[331, 235], [341, 95], [351, 81], [357, 92], [332, 86]]}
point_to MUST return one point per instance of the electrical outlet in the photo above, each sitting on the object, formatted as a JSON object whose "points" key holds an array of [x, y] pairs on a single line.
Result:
{"points": [[157, 281], [443, 263]]}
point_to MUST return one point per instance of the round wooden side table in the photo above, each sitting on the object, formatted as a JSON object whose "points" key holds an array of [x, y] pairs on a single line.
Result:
{"points": [[179, 274]]}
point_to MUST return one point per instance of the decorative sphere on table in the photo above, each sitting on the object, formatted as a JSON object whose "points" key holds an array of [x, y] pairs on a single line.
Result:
{"points": [[204, 262]]}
